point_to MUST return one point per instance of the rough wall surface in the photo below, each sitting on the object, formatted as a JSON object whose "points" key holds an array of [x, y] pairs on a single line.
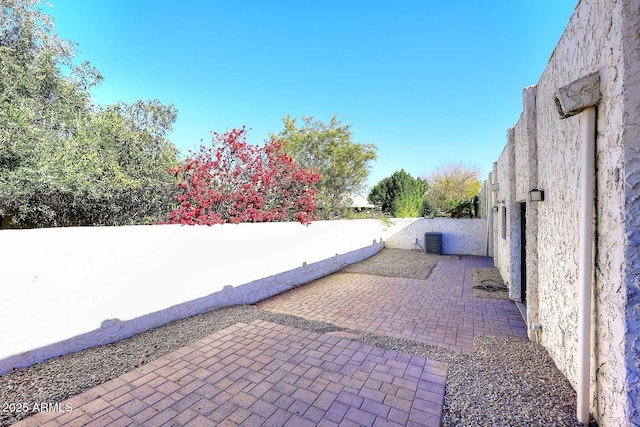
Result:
{"points": [[531, 135], [602, 37], [631, 142], [521, 146], [513, 218], [486, 213], [507, 248], [526, 179], [502, 175], [591, 43], [495, 215]]}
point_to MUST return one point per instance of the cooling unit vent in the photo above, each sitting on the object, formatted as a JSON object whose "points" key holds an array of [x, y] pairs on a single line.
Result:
{"points": [[433, 243]]}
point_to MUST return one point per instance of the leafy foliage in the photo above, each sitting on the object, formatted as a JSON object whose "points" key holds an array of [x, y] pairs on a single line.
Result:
{"points": [[400, 195], [343, 165], [467, 208], [452, 187], [62, 160], [232, 181]]}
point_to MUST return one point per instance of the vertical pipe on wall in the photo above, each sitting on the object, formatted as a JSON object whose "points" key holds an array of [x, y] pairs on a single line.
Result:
{"points": [[585, 271], [582, 96], [486, 249]]}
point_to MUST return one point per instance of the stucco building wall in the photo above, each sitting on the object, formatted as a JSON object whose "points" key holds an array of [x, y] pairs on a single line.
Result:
{"points": [[631, 198], [507, 219], [602, 38], [517, 176]]}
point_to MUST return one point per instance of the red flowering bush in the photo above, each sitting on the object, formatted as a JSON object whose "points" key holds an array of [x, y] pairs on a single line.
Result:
{"points": [[234, 182]]}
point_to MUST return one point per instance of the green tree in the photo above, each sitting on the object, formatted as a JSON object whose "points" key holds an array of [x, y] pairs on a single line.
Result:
{"points": [[62, 161], [400, 195], [343, 164], [452, 188], [136, 157]]}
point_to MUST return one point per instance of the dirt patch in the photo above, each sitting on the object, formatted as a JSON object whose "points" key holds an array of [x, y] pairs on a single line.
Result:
{"points": [[397, 263], [487, 283]]}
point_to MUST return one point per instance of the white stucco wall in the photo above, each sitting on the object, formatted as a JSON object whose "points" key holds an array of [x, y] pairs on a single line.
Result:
{"points": [[602, 37], [66, 289], [591, 43], [462, 236], [631, 177], [526, 176], [506, 219]]}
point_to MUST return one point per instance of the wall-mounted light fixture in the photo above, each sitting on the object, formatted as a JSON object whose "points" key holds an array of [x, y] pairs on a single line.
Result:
{"points": [[536, 195]]}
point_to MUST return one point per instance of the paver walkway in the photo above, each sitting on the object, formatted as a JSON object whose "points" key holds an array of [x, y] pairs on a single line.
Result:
{"points": [[264, 373], [440, 310]]}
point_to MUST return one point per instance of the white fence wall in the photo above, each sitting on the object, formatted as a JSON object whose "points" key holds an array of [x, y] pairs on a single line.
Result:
{"points": [[459, 236], [67, 289]]}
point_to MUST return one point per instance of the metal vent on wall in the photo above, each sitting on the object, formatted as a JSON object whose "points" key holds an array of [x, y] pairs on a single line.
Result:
{"points": [[433, 243]]}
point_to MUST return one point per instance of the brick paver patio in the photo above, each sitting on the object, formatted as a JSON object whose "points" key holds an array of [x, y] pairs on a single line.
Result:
{"points": [[440, 310], [264, 373]]}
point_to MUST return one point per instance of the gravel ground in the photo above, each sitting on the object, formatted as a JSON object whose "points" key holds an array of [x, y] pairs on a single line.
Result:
{"points": [[506, 382], [398, 263], [487, 283]]}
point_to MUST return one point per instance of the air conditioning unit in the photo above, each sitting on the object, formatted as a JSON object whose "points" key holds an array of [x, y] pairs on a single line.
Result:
{"points": [[433, 243]]}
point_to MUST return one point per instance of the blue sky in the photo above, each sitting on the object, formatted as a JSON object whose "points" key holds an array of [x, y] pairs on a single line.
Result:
{"points": [[429, 82]]}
